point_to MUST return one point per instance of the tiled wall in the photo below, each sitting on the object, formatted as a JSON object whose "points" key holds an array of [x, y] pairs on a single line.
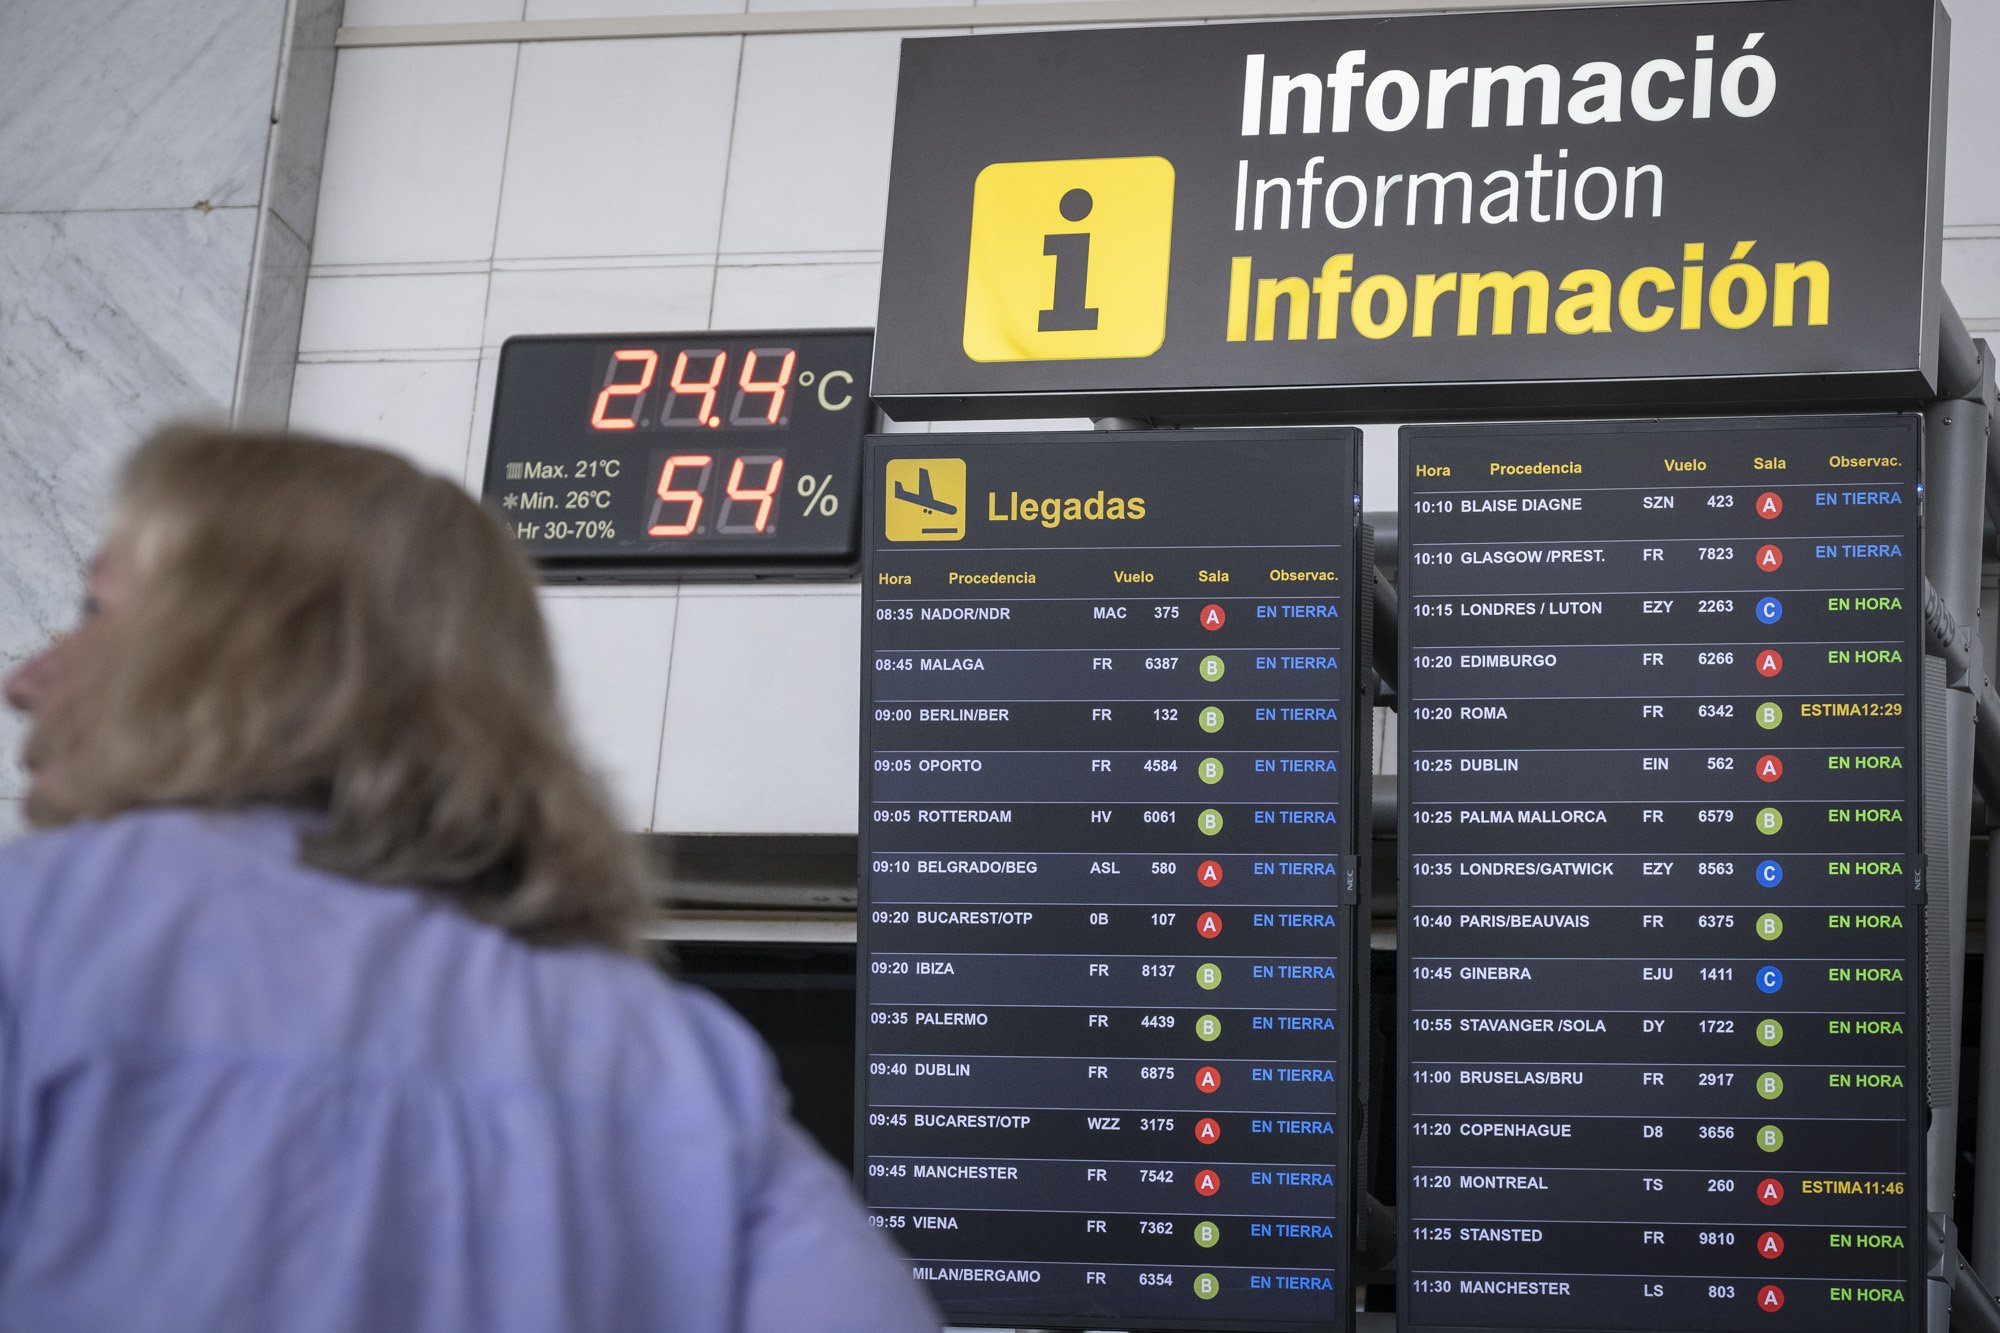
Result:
{"points": [[473, 192], [159, 165], [476, 192]]}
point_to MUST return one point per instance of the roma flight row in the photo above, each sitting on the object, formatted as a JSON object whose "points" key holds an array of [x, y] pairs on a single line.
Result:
{"points": [[1659, 739]]}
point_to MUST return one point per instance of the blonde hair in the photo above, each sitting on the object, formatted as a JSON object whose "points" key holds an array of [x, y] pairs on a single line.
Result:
{"points": [[323, 626]]}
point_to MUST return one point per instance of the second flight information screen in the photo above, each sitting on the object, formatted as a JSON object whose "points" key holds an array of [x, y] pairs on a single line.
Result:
{"points": [[1662, 961]]}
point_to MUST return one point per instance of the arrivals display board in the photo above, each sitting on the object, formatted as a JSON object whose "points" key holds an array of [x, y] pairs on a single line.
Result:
{"points": [[1662, 884], [1111, 777], [1650, 205]]}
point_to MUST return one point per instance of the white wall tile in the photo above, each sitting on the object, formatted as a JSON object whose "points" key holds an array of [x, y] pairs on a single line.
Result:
{"points": [[613, 653], [393, 312], [420, 409], [1972, 277], [618, 148], [414, 154], [110, 323], [634, 299], [607, 9], [768, 296], [379, 13], [482, 420], [763, 729], [107, 104], [810, 167]]}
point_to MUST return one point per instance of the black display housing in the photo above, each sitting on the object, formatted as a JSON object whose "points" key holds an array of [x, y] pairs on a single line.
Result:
{"points": [[662, 457]]}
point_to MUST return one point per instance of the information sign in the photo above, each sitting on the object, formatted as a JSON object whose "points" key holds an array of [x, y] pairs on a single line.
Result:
{"points": [[1110, 781], [1651, 206], [1661, 920]]}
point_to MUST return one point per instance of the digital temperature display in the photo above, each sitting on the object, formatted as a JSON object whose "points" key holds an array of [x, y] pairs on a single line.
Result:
{"points": [[682, 455]]}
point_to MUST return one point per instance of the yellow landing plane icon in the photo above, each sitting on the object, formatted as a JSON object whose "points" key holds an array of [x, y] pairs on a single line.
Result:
{"points": [[926, 500]]}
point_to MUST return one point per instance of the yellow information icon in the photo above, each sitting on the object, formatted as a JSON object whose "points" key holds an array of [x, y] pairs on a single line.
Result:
{"points": [[924, 500], [1068, 259]]}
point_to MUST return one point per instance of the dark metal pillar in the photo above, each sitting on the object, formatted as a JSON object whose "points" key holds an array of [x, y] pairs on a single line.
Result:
{"points": [[1975, 383], [1955, 476]]}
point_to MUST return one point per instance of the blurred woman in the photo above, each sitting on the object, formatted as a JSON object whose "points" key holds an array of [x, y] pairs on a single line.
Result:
{"points": [[319, 1004]]}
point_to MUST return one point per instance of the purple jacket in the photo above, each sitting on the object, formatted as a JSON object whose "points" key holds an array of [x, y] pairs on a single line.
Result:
{"points": [[239, 1094]]}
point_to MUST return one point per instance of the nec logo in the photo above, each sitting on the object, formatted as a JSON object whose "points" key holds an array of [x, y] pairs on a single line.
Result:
{"points": [[1068, 260]]}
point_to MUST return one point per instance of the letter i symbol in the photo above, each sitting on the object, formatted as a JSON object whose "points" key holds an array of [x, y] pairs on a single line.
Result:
{"points": [[1071, 251]]}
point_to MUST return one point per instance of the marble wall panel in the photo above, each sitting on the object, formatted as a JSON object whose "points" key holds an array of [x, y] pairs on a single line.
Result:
{"points": [[115, 104], [304, 106], [109, 324], [271, 336]]}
